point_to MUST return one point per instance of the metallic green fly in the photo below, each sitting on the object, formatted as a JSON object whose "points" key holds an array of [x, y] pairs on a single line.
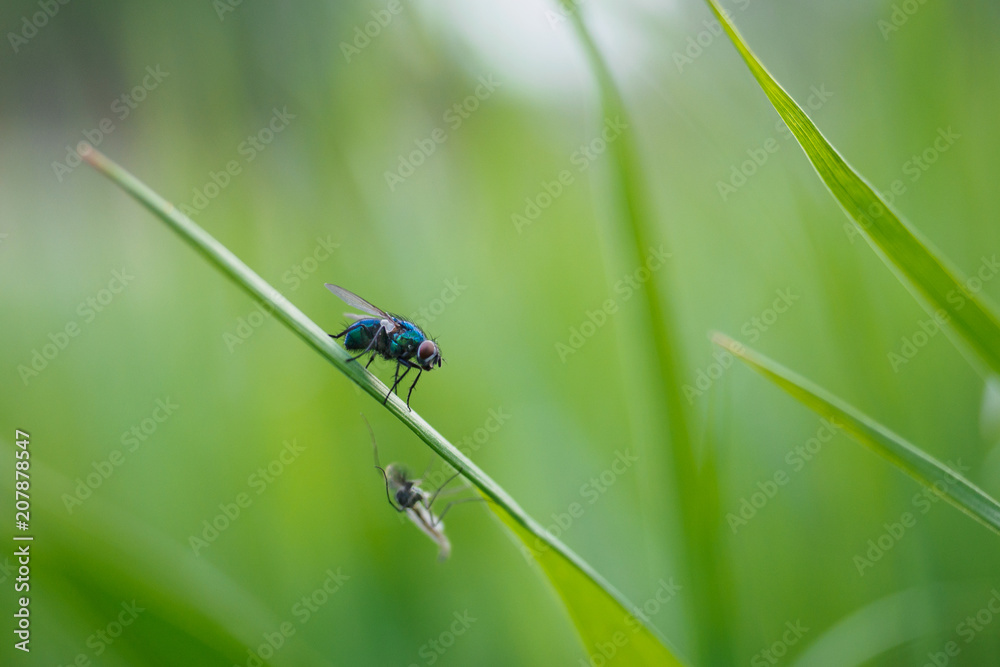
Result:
{"points": [[387, 336]]}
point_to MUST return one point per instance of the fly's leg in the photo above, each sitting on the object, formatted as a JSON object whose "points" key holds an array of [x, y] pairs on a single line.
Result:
{"points": [[408, 365], [397, 380], [440, 517], [440, 488], [410, 393], [400, 380], [423, 475], [368, 349], [375, 350], [346, 331], [452, 492], [378, 466]]}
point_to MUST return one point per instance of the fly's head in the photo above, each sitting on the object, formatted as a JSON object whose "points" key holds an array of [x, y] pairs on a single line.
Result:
{"points": [[428, 355]]}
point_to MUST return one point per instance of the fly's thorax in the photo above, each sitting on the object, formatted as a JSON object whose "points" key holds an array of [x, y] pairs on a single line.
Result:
{"points": [[406, 493], [404, 343], [406, 497], [409, 495]]}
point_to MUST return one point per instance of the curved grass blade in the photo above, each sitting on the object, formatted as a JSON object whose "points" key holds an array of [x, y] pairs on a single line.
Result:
{"points": [[920, 267], [573, 578], [865, 634], [919, 465]]}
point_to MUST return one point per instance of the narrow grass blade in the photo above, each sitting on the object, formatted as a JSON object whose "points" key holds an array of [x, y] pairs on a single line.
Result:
{"points": [[924, 468], [871, 631], [598, 616], [635, 224], [574, 578], [634, 215], [921, 268]]}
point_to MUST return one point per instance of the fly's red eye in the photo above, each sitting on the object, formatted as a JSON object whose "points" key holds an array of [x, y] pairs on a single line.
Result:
{"points": [[427, 351]]}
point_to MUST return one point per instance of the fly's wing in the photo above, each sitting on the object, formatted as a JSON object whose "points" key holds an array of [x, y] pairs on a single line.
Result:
{"points": [[427, 522], [357, 317], [355, 301]]}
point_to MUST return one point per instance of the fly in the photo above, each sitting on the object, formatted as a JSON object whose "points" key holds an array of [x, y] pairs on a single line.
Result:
{"points": [[387, 336], [405, 495]]}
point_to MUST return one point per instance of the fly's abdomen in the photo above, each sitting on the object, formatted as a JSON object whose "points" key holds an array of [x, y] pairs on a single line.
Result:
{"points": [[360, 337]]}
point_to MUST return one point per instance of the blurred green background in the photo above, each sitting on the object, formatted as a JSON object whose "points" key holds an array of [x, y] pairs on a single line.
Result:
{"points": [[308, 129]]}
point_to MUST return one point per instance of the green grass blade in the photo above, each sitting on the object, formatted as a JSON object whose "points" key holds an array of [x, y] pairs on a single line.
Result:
{"points": [[864, 634], [598, 617], [606, 610], [924, 468], [922, 269], [635, 224], [635, 216]]}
